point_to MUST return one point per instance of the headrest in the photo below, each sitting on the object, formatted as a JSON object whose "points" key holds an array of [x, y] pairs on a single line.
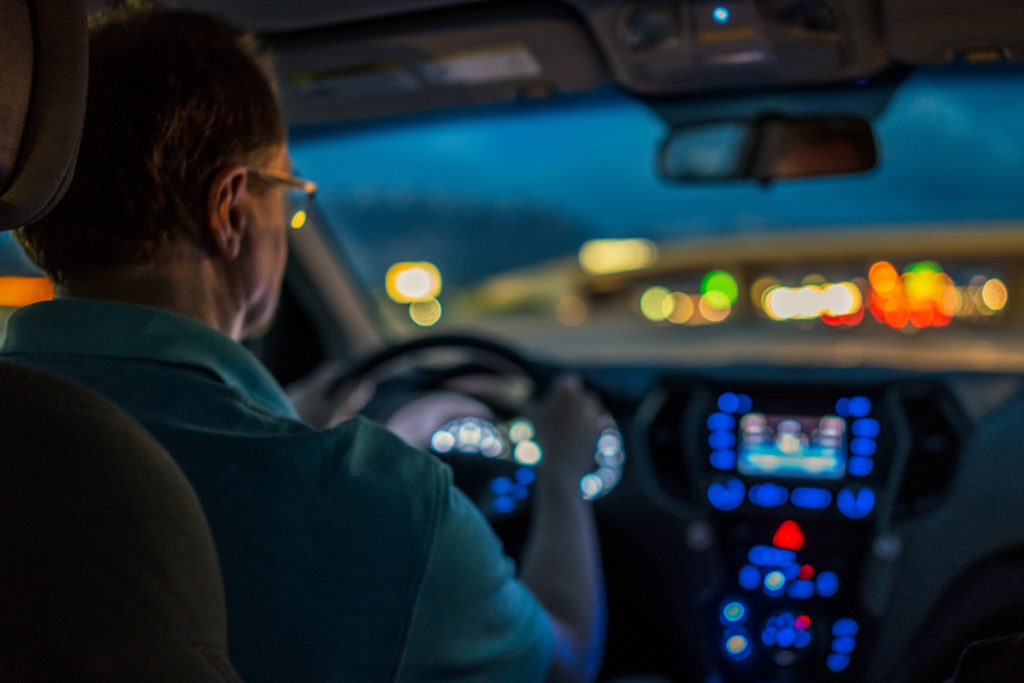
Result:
{"points": [[44, 66]]}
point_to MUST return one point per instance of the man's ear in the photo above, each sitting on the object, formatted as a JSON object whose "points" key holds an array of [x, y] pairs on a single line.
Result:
{"points": [[225, 220]]}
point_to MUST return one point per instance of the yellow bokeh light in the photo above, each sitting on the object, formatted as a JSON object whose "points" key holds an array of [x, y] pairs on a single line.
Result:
{"points": [[527, 453], [760, 286], [656, 304], [299, 219], [425, 313], [682, 308], [603, 257], [715, 309], [994, 294], [411, 281]]}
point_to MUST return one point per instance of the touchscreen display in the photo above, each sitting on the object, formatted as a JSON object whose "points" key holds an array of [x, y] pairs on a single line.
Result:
{"points": [[792, 446]]}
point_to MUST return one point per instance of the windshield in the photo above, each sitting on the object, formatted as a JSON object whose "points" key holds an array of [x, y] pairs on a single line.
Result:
{"points": [[505, 202]]}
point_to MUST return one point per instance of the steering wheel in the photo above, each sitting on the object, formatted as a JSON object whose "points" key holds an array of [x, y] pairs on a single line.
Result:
{"points": [[463, 398]]}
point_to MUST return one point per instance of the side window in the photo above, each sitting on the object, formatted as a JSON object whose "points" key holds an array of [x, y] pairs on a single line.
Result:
{"points": [[20, 282]]}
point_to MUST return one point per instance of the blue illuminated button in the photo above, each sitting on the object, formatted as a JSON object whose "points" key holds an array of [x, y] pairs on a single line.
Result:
{"points": [[503, 505], [785, 619], [837, 663], [803, 639], [520, 492], [728, 494], [768, 495], [774, 581], [720, 14], [863, 446], [791, 570], [745, 404], [526, 475], [845, 627], [856, 503], [859, 466], [721, 422], [723, 460], [767, 556], [501, 485], [801, 590], [769, 635], [843, 407], [866, 426], [811, 498], [827, 584], [786, 637], [718, 440], [860, 406], [843, 645], [729, 402], [734, 612], [737, 645], [750, 577]]}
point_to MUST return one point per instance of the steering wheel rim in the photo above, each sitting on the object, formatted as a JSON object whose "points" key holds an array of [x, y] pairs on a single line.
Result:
{"points": [[540, 378]]}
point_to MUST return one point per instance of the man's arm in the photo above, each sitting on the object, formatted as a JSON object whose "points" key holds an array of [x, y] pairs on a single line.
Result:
{"points": [[561, 563]]}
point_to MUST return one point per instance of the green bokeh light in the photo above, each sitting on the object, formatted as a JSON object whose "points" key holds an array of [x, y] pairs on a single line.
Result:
{"points": [[722, 282]]}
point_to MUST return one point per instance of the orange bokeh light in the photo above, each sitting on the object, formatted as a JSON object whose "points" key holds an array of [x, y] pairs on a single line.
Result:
{"points": [[21, 291]]}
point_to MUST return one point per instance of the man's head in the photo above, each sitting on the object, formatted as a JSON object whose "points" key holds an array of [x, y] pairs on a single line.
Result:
{"points": [[180, 105]]}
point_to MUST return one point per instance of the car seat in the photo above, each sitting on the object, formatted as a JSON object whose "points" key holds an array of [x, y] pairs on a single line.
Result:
{"points": [[107, 567]]}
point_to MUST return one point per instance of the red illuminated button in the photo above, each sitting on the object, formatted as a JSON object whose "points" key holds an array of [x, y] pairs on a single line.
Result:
{"points": [[806, 572], [802, 623], [789, 536]]}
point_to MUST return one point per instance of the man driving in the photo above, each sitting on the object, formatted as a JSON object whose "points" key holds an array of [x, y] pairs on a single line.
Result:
{"points": [[346, 554]]}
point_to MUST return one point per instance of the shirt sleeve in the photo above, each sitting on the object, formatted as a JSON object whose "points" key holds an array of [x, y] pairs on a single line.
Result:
{"points": [[473, 620]]}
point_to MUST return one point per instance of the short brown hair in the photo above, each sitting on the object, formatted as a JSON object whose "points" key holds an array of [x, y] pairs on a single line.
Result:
{"points": [[174, 97]]}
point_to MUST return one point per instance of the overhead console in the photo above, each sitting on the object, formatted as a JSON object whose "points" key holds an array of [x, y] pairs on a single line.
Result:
{"points": [[796, 480], [665, 47]]}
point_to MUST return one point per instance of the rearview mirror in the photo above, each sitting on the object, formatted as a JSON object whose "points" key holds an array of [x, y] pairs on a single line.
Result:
{"points": [[769, 148]]}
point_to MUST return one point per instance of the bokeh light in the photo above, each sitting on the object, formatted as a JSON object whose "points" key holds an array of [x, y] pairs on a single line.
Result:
{"points": [[656, 303], [425, 313], [603, 257], [411, 281], [922, 296], [722, 283], [994, 294], [682, 308]]}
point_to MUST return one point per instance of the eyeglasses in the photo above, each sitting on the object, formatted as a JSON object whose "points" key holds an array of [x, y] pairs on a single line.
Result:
{"points": [[301, 192]]}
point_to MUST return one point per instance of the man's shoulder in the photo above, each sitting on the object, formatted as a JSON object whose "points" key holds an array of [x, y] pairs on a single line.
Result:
{"points": [[370, 452]]}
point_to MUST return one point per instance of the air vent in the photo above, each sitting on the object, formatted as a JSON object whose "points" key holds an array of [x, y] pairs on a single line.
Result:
{"points": [[935, 440]]}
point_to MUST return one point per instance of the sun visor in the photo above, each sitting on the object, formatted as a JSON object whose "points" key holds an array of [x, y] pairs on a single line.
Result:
{"points": [[473, 55], [939, 31]]}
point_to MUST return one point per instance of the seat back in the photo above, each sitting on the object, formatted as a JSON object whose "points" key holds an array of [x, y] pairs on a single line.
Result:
{"points": [[107, 567]]}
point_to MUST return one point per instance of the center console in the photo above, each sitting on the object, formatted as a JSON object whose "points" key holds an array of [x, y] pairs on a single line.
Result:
{"points": [[792, 481]]}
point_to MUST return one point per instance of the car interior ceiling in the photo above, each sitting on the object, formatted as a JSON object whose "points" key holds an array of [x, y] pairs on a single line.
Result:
{"points": [[903, 546]]}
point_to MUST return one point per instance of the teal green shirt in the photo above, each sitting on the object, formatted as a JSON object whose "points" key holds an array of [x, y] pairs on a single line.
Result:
{"points": [[346, 554]]}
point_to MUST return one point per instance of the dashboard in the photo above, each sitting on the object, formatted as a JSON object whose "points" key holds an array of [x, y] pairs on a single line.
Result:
{"points": [[808, 525], [765, 523]]}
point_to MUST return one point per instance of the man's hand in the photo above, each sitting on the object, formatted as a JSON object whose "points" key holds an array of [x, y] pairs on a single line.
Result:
{"points": [[561, 563], [568, 421]]}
